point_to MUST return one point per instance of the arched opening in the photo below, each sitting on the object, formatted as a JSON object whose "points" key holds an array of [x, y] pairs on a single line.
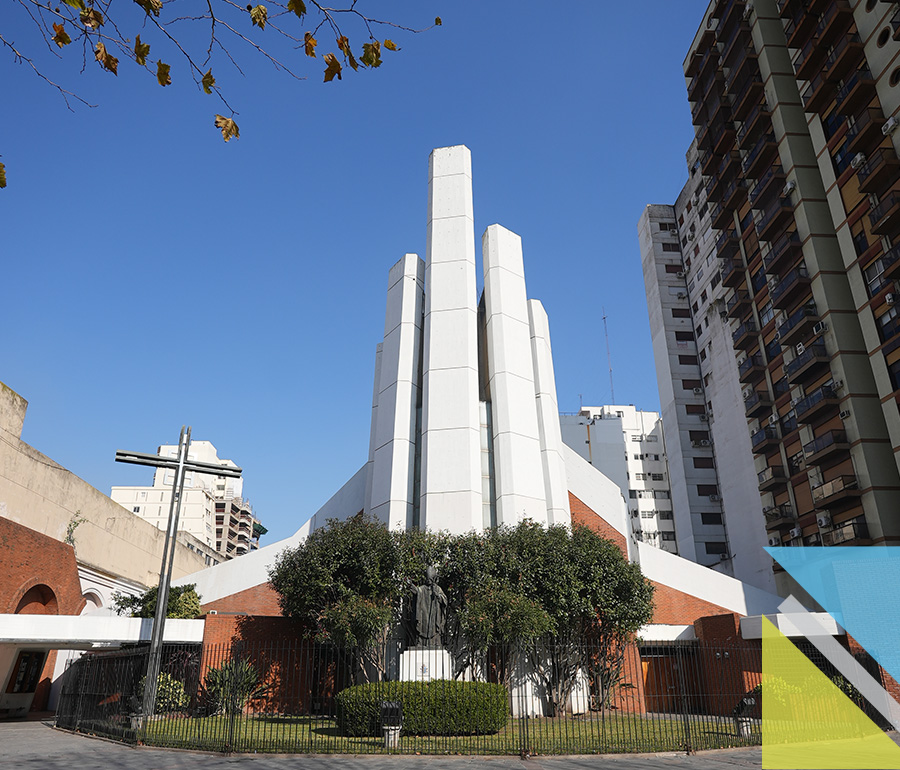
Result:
{"points": [[38, 600], [92, 602]]}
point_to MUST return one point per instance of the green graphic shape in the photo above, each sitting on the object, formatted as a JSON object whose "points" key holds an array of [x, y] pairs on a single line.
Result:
{"points": [[807, 722]]}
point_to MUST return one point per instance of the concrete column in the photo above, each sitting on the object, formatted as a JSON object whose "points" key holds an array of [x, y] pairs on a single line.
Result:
{"points": [[552, 458], [391, 498], [451, 453], [518, 473], [370, 461]]}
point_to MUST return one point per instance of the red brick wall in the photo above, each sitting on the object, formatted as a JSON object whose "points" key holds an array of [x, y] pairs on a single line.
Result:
{"points": [[259, 600], [586, 517]]}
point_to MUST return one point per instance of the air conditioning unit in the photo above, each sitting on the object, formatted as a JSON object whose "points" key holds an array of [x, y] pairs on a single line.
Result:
{"points": [[844, 414], [704, 418], [796, 532], [788, 189], [704, 442], [746, 393], [768, 508], [820, 327], [774, 540], [837, 384], [858, 160], [777, 336], [748, 10], [823, 520], [723, 556], [800, 348], [892, 124], [682, 295], [698, 391], [890, 298], [714, 498], [773, 419], [680, 274]]}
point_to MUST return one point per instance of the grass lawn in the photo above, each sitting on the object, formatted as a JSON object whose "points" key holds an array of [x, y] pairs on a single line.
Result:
{"points": [[609, 733]]}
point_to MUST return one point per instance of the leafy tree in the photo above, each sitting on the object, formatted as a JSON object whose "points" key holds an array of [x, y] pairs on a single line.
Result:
{"points": [[183, 603]]}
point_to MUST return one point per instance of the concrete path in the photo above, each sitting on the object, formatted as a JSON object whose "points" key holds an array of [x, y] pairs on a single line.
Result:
{"points": [[38, 746]]}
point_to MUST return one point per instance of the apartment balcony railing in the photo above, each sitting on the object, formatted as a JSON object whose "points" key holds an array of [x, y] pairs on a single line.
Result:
{"points": [[732, 272], [836, 490], [800, 26], [738, 304], [783, 251], [745, 334], [815, 403], [885, 217], [825, 445], [746, 96], [773, 178], [771, 477], [895, 26], [855, 532], [779, 515], [834, 19], [812, 359], [726, 244], [880, 169], [740, 59], [818, 93], [759, 155], [865, 132], [782, 294], [890, 260], [845, 56], [758, 402], [773, 218], [856, 92], [757, 120], [809, 58], [720, 216], [764, 440], [751, 369]]}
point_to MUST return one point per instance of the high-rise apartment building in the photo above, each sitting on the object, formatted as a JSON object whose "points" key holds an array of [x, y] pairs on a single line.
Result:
{"points": [[796, 112], [628, 447], [212, 507]]}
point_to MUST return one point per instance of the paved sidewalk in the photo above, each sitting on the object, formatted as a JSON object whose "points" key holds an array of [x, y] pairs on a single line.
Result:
{"points": [[38, 746]]}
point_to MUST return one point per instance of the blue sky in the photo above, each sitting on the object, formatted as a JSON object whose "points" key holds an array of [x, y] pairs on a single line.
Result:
{"points": [[153, 275]]}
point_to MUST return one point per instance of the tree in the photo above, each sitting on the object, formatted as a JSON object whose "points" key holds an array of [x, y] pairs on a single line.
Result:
{"points": [[201, 37], [183, 603]]}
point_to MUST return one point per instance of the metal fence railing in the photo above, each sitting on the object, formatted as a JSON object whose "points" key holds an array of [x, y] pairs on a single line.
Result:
{"points": [[305, 697]]}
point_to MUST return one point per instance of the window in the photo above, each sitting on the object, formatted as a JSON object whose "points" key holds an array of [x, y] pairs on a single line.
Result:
{"points": [[894, 373], [136, 509], [690, 384], [670, 247], [651, 438], [702, 355], [773, 349], [705, 490], [657, 477], [695, 308], [680, 312], [766, 314], [638, 457], [758, 280], [695, 409], [887, 324], [665, 515], [715, 280], [27, 672], [703, 296], [698, 435], [684, 336], [666, 226], [874, 277], [703, 462], [661, 494], [648, 515], [711, 519], [142, 495], [684, 241], [640, 476], [673, 268], [667, 535], [716, 548]]}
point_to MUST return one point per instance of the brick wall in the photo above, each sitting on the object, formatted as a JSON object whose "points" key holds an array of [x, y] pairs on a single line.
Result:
{"points": [[586, 517], [258, 600]]}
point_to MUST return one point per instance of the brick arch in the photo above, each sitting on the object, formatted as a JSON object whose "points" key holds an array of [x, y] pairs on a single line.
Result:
{"points": [[40, 599], [18, 596]]}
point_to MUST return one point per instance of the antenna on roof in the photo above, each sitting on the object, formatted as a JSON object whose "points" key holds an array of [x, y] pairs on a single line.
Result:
{"points": [[612, 390]]}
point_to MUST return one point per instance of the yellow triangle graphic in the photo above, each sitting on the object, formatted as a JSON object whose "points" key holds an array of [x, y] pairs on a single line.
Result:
{"points": [[808, 723]]}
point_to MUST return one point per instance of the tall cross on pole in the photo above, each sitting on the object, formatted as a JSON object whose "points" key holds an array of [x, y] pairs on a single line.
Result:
{"points": [[181, 465]]}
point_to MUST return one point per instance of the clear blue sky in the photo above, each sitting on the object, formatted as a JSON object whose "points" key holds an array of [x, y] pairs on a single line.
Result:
{"points": [[154, 276]]}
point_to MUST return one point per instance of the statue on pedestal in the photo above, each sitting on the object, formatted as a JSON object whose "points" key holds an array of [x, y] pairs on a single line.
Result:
{"points": [[430, 611]]}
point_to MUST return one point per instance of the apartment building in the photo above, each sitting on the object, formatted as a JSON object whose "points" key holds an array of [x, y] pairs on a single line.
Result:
{"points": [[796, 112], [212, 507], [628, 447]]}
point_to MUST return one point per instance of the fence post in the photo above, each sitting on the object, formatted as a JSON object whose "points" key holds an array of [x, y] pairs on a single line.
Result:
{"points": [[682, 685]]}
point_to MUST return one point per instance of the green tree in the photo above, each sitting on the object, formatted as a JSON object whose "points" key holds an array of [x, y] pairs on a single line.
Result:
{"points": [[183, 603]]}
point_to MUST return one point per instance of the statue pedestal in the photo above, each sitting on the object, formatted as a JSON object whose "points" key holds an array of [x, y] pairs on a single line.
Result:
{"points": [[422, 664]]}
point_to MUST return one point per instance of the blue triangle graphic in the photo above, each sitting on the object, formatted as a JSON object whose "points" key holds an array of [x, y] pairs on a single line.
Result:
{"points": [[858, 587]]}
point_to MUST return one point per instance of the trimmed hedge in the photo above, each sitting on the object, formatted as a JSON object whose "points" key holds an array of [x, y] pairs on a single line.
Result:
{"points": [[439, 707]]}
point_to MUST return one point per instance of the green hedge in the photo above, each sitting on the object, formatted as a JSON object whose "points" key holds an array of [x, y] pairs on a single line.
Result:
{"points": [[439, 707]]}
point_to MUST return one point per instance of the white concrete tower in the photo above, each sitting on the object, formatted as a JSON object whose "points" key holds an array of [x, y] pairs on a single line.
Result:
{"points": [[451, 497], [373, 425], [556, 487], [394, 444], [518, 475]]}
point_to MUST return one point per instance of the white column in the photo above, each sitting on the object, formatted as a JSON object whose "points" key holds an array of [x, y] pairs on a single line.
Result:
{"points": [[518, 471], [451, 453], [370, 462], [395, 429], [553, 461]]}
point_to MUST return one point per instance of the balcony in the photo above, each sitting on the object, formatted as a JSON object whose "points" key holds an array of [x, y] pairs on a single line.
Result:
{"points": [[726, 244], [834, 20], [734, 194], [800, 26], [845, 57], [895, 25], [783, 252], [751, 369], [774, 218], [786, 291], [809, 58], [818, 93], [810, 361], [747, 96], [764, 441], [856, 93], [720, 216], [758, 120], [771, 478], [830, 443], [732, 272], [779, 516], [880, 170], [890, 261], [745, 60], [707, 160], [773, 179], [739, 304], [760, 155], [757, 403], [816, 403], [865, 133], [745, 334], [854, 533], [885, 217], [722, 136], [835, 491]]}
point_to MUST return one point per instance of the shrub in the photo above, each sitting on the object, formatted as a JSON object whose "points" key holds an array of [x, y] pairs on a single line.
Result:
{"points": [[439, 707], [170, 694], [231, 685]]}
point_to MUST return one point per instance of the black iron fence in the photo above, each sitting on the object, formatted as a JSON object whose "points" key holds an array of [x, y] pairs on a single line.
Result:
{"points": [[307, 698]]}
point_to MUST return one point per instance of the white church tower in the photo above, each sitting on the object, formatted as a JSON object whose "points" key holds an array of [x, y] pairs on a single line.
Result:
{"points": [[465, 432]]}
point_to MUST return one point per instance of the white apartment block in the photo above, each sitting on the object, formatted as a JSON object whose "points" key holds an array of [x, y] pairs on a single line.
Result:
{"points": [[713, 480], [627, 446], [212, 507]]}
